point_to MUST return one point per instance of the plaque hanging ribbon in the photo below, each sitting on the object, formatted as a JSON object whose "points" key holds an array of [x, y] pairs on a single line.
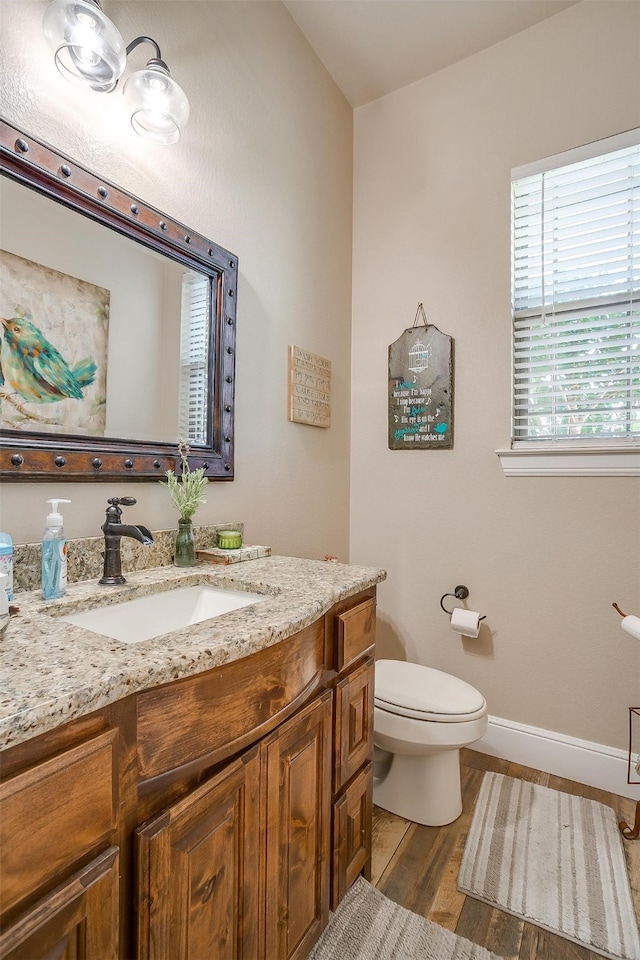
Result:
{"points": [[421, 388]]}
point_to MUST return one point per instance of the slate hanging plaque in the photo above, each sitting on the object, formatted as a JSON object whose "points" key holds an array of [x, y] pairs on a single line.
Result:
{"points": [[421, 389]]}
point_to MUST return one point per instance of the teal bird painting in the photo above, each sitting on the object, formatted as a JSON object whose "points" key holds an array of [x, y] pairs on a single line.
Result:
{"points": [[34, 368]]}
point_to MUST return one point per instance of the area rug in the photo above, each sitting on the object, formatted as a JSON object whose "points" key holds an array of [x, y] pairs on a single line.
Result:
{"points": [[553, 859], [368, 926]]}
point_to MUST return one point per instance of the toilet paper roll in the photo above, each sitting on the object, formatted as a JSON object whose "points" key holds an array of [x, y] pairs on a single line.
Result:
{"points": [[465, 622], [631, 625]]}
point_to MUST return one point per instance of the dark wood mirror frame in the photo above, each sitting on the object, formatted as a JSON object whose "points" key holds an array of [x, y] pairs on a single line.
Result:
{"points": [[41, 456]]}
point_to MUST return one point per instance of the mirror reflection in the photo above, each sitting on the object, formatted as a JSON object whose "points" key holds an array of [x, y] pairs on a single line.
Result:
{"points": [[118, 332], [102, 336]]}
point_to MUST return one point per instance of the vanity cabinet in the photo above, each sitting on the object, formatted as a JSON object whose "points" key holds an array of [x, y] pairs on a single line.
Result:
{"points": [[354, 639], [221, 815], [243, 859], [59, 884], [298, 830], [352, 817], [353, 779], [198, 891]]}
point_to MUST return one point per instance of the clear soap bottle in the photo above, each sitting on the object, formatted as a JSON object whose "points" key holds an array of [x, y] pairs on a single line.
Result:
{"points": [[54, 554], [6, 563]]}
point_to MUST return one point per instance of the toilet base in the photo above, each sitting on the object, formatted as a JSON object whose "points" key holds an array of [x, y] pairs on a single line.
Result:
{"points": [[424, 789]]}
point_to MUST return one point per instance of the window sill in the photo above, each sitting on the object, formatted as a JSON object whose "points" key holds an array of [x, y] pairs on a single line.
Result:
{"points": [[583, 462]]}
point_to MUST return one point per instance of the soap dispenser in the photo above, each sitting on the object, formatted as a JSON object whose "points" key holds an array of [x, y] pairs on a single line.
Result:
{"points": [[54, 554], [6, 564]]}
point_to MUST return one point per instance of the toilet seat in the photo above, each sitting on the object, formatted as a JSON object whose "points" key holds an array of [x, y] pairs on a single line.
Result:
{"points": [[413, 690]]}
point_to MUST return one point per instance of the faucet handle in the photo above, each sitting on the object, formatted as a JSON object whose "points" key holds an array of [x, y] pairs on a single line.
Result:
{"points": [[114, 510]]}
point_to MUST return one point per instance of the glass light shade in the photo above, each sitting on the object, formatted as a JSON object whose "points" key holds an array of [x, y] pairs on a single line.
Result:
{"points": [[159, 107], [88, 48]]}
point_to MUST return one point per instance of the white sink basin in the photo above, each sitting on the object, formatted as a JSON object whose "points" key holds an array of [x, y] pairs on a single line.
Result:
{"points": [[135, 620]]}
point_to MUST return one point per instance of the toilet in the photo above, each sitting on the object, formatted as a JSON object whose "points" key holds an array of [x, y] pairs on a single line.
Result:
{"points": [[422, 718]]}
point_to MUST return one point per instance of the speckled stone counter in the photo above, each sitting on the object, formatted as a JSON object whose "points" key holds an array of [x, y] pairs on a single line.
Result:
{"points": [[53, 672]]}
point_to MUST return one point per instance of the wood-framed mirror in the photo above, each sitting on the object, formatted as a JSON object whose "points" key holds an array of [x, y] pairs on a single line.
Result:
{"points": [[118, 328]]}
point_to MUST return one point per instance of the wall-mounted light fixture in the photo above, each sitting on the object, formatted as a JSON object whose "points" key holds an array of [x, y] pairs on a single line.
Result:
{"points": [[89, 50]]}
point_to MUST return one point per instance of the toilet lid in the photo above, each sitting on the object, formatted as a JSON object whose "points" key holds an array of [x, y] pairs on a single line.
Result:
{"points": [[413, 689]]}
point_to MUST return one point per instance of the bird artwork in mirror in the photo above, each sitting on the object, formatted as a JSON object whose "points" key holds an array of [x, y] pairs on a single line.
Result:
{"points": [[117, 330], [53, 350]]}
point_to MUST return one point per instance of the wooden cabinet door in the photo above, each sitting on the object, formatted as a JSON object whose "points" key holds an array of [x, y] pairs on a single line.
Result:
{"points": [[76, 921], [56, 815], [199, 871], [352, 821], [297, 766], [353, 744]]}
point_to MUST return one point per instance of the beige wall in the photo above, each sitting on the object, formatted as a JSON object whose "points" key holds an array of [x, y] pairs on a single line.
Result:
{"points": [[543, 557], [264, 168]]}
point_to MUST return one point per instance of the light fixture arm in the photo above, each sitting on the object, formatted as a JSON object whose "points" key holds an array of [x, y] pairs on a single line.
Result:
{"points": [[138, 40]]}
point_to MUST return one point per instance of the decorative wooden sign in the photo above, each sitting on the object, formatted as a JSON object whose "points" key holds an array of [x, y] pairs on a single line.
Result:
{"points": [[421, 389], [309, 388]]}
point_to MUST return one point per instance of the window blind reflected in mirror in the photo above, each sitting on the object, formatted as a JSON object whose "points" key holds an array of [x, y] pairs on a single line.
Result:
{"points": [[194, 358]]}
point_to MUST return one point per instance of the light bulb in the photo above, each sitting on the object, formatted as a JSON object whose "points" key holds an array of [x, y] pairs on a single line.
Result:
{"points": [[159, 107], [88, 48]]}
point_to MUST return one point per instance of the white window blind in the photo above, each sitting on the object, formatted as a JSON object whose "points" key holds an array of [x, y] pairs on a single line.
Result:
{"points": [[576, 300], [194, 358]]}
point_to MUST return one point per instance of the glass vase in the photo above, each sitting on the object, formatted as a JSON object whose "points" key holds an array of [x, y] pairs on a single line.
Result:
{"points": [[185, 553]]}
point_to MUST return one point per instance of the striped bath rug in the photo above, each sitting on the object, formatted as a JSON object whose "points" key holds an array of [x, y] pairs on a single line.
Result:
{"points": [[553, 859], [369, 926]]}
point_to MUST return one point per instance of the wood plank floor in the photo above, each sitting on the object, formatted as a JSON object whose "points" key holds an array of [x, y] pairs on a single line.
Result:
{"points": [[417, 867]]}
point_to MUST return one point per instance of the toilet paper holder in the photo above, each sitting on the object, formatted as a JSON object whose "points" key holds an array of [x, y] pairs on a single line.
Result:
{"points": [[460, 593]]}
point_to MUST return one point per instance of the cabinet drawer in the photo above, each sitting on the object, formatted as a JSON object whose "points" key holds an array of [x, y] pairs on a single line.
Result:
{"points": [[353, 733], [218, 713], [356, 632], [55, 814], [352, 816]]}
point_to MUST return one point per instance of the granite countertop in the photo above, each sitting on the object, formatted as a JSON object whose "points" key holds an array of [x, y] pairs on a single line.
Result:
{"points": [[54, 672]]}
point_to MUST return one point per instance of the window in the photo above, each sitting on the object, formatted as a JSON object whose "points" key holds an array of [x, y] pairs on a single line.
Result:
{"points": [[576, 298], [194, 358]]}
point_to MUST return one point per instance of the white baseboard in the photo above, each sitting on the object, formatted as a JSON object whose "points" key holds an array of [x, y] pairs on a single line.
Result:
{"points": [[563, 756]]}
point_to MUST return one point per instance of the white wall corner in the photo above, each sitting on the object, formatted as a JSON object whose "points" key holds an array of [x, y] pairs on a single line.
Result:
{"points": [[591, 763]]}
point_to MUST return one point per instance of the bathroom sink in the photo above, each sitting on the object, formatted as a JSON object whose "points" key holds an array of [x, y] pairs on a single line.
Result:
{"points": [[135, 620]]}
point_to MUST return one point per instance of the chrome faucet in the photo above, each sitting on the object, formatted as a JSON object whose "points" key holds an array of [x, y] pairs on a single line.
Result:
{"points": [[113, 530]]}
